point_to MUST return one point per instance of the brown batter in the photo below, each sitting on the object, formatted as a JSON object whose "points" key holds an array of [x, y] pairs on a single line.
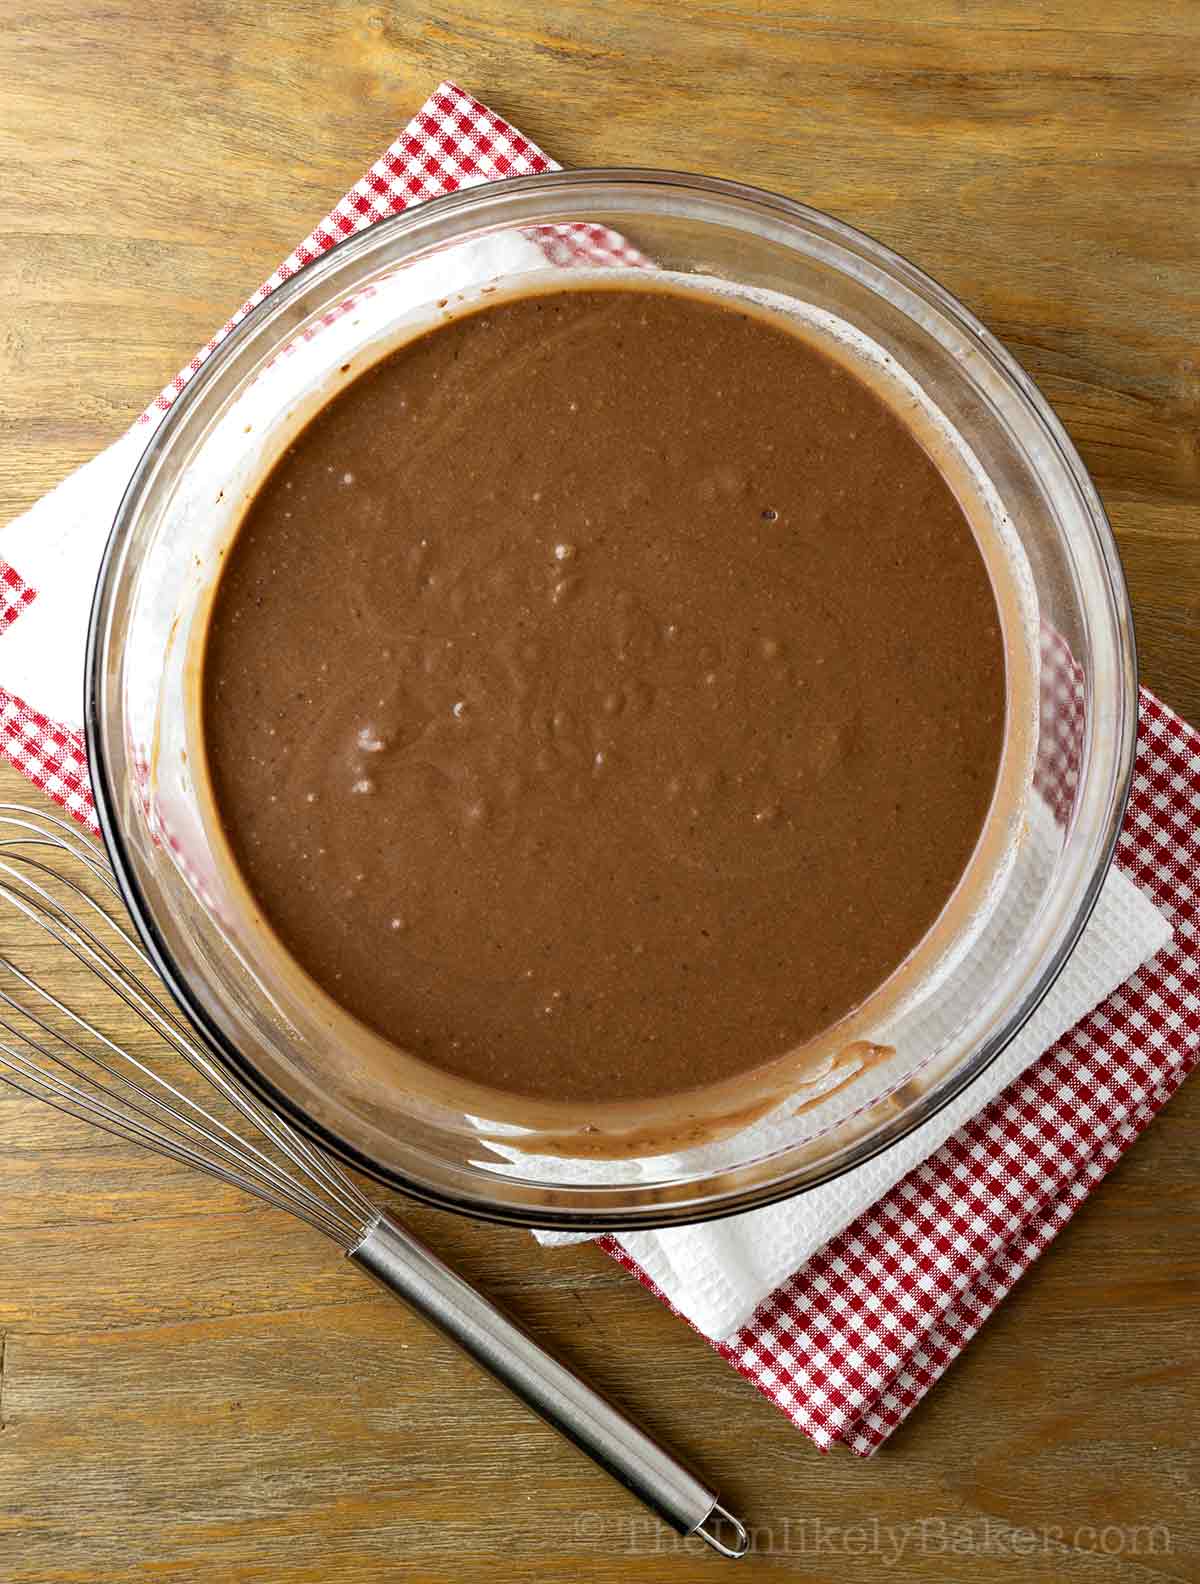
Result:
{"points": [[604, 694]]}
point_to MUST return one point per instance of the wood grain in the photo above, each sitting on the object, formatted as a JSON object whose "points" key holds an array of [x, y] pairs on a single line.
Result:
{"points": [[194, 1388]]}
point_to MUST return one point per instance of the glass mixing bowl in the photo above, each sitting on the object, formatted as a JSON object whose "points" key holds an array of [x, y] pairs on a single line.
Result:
{"points": [[963, 994]]}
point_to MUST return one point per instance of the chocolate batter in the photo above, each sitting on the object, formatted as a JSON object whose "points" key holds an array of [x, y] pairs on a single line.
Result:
{"points": [[604, 694]]}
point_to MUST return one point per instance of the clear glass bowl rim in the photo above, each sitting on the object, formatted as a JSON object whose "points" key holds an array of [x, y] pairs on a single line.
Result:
{"points": [[487, 203]]}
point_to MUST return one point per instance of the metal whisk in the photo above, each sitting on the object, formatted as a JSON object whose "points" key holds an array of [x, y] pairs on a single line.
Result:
{"points": [[54, 1052]]}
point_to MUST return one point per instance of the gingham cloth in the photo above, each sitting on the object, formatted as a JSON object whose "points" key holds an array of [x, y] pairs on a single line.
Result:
{"points": [[852, 1341]]}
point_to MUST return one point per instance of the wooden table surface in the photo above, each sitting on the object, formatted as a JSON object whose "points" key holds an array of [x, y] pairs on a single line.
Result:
{"points": [[192, 1387]]}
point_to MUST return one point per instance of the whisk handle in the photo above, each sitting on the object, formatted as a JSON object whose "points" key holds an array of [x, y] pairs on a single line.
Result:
{"points": [[412, 1272]]}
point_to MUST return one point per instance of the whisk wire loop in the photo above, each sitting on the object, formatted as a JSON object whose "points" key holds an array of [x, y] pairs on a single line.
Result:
{"points": [[71, 1063]]}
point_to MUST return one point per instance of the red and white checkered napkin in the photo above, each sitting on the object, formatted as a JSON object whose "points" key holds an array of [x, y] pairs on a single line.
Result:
{"points": [[852, 1340]]}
